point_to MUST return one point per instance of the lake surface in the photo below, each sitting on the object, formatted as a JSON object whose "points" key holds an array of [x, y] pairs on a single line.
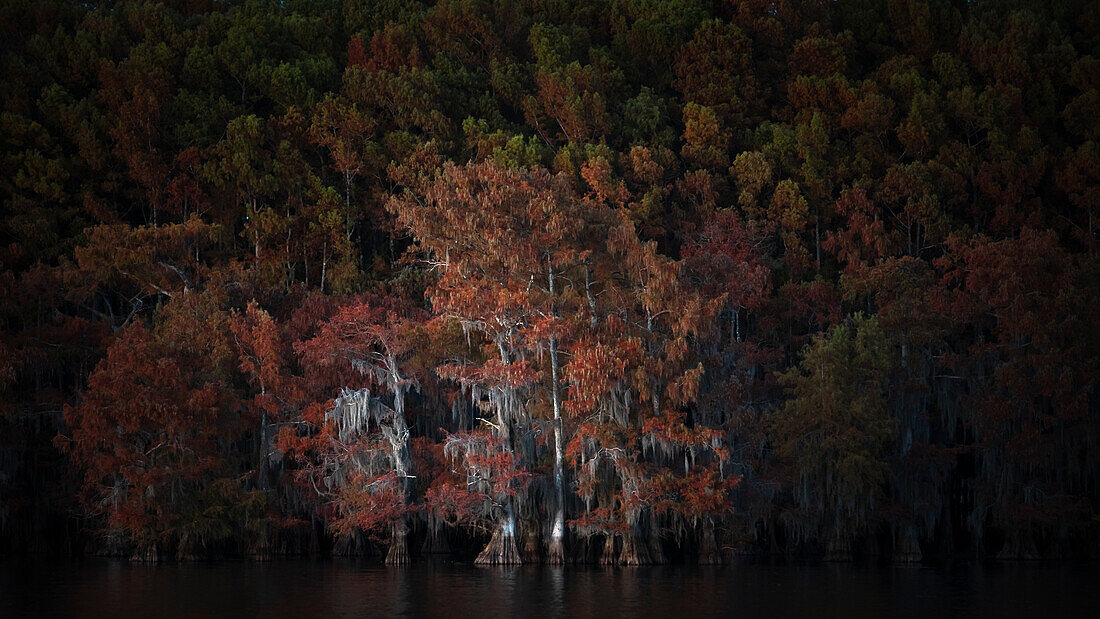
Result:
{"points": [[344, 588]]}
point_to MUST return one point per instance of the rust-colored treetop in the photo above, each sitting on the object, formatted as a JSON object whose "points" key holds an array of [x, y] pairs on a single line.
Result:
{"points": [[584, 281]]}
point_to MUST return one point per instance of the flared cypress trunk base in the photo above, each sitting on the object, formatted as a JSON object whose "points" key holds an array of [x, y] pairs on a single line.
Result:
{"points": [[634, 552], [531, 553], [501, 550], [1018, 547], [261, 549], [146, 554], [657, 551], [907, 548], [584, 551], [354, 544], [608, 557], [188, 549], [555, 552], [398, 553], [708, 548]]}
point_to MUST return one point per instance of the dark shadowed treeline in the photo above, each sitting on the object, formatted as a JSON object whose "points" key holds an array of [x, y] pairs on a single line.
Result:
{"points": [[619, 281]]}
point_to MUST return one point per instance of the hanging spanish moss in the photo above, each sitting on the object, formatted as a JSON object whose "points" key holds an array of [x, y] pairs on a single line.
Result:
{"points": [[621, 282]]}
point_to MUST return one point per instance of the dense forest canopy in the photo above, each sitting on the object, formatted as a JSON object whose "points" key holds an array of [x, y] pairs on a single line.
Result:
{"points": [[622, 281]]}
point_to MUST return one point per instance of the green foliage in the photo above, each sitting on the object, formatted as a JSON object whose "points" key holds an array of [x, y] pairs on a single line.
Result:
{"points": [[836, 429], [774, 165]]}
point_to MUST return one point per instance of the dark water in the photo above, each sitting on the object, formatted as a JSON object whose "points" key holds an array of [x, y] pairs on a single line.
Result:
{"points": [[321, 589]]}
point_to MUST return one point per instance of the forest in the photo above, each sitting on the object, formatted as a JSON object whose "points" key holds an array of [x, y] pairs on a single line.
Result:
{"points": [[620, 282]]}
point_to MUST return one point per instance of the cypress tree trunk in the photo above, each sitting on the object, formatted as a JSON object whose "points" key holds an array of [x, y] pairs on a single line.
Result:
{"points": [[555, 554], [708, 547], [607, 557], [399, 546], [907, 547], [531, 551], [501, 549]]}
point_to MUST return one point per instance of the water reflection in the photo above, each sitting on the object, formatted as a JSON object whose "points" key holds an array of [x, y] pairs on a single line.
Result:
{"points": [[557, 580], [315, 588]]}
